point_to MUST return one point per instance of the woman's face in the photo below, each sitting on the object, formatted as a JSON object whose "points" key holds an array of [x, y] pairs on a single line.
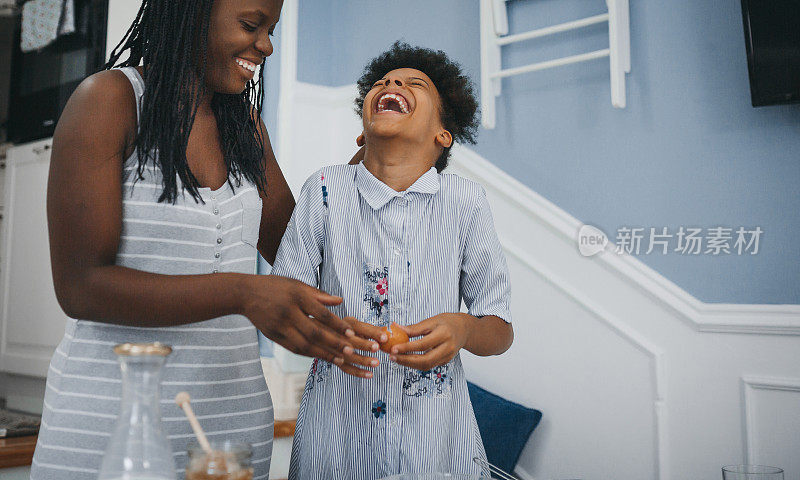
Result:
{"points": [[238, 41]]}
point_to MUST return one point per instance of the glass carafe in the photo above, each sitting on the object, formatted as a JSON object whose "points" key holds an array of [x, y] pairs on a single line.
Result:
{"points": [[139, 449]]}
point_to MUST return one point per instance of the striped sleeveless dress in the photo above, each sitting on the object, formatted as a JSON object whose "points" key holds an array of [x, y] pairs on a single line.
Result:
{"points": [[216, 361]]}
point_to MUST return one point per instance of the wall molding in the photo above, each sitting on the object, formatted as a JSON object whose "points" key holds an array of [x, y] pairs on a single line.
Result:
{"points": [[749, 385], [753, 319], [624, 330], [461, 161], [703, 317], [523, 474]]}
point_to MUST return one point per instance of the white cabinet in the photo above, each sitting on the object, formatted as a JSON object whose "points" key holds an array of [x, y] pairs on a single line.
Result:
{"points": [[31, 321]]}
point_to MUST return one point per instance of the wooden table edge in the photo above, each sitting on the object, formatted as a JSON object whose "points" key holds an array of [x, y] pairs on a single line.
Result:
{"points": [[17, 451], [284, 428]]}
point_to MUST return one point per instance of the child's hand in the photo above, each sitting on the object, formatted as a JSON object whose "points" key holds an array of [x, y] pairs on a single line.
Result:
{"points": [[442, 338], [364, 337]]}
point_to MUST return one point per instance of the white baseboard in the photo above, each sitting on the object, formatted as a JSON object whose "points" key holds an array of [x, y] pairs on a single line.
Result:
{"points": [[523, 474]]}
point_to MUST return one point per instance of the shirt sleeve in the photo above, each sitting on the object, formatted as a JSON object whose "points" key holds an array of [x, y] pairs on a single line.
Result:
{"points": [[485, 285], [300, 253]]}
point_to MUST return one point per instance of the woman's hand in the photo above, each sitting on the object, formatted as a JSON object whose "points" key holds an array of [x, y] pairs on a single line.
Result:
{"points": [[442, 338], [295, 316], [364, 337]]}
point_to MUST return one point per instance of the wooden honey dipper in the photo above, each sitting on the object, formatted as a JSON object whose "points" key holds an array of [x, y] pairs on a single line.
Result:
{"points": [[183, 399]]}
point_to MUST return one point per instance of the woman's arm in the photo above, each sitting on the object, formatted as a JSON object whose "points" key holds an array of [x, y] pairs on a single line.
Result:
{"points": [[84, 210]]}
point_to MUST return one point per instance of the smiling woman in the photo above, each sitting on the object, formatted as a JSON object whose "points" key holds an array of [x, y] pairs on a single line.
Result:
{"points": [[163, 189], [213, 69]]}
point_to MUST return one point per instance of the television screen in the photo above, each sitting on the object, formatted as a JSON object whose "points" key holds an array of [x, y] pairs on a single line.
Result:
{"points": [[772, 36]]}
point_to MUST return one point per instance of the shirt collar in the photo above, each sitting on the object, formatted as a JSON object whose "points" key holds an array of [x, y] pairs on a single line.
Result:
{"points": [[377, 194]]}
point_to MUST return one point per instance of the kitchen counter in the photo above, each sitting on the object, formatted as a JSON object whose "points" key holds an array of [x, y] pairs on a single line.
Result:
{"points": [[284, 428], [18, 451]]}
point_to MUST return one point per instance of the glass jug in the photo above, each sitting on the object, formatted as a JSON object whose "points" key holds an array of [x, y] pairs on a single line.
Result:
{"points": [[139, 449]]}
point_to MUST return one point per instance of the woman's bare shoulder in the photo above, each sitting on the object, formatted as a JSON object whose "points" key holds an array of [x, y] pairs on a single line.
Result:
{"points": [[108, 88], [102, 109]]}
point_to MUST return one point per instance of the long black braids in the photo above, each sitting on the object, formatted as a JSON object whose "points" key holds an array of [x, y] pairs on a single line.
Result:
{"points": [[170, 37]]}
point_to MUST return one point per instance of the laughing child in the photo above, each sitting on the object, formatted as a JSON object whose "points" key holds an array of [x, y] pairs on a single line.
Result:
{"points": [[402, 244]]}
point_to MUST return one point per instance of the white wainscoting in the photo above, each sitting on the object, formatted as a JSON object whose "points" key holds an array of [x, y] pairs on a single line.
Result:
{"points": [[636, 378], [771, 412]]}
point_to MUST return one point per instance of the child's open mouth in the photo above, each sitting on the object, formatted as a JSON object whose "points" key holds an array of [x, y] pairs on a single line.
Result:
{"points": [[392, 102]]}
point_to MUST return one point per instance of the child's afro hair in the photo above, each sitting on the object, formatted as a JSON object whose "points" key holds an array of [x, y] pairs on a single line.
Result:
{"points": [[459, 107]]}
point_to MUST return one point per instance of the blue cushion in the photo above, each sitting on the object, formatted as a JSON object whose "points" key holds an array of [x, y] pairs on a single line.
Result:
{"points": [[505, 426]]}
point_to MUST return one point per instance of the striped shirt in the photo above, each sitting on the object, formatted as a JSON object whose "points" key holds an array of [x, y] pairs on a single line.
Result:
{"points": [[394, 257], [216, 361]]}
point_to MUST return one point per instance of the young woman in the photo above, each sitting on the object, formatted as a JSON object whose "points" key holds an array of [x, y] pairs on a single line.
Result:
{"points": [[163, 187]]}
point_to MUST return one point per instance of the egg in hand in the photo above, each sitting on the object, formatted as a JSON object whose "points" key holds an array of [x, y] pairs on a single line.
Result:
{"points": [[395, 336]]}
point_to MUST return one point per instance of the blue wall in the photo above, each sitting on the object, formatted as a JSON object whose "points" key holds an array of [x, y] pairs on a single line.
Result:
{"points": [[689, 150]]}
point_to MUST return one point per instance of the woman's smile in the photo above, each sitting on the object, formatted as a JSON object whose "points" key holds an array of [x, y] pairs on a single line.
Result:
{"points": [[248, 67]]}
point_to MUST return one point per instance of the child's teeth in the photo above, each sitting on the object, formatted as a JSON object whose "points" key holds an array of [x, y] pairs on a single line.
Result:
{"points": [[400, 101]]}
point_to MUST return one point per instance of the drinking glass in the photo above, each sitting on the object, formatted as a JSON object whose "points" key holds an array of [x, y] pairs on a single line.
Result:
{"points": [[227, 461], [751, 472]]}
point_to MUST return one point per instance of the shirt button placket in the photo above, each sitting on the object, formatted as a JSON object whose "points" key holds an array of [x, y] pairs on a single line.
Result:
{"points": [[400, 252], [218, 245], [395, 287], [398, 373]]}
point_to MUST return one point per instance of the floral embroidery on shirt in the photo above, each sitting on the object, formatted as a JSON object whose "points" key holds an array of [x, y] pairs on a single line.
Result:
{"points": [[324, 191], [320, 370], [376, 295], [428, 383], [379, 409]]}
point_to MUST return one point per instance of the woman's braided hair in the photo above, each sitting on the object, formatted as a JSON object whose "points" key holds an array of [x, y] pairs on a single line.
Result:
{"points": [[170, 37]]}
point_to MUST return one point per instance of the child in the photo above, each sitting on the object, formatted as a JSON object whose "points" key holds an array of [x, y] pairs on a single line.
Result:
{"points": [[400, 243]]}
